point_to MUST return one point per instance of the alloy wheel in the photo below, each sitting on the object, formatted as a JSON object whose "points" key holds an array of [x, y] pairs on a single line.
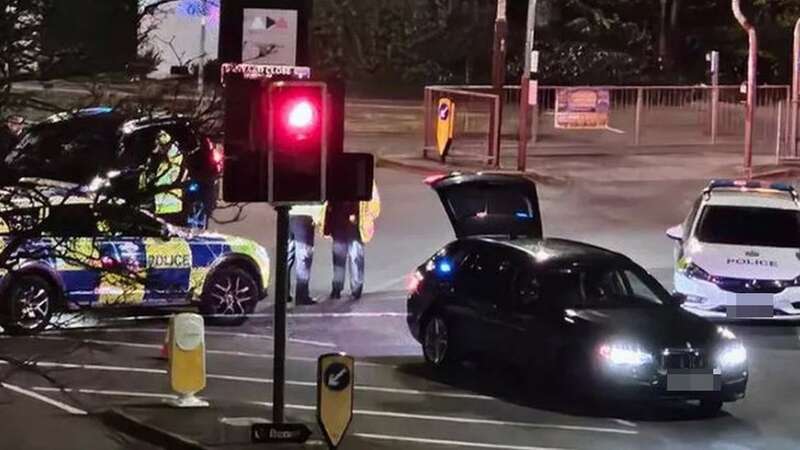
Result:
{"points": [[436, 341], [31, 306], [231, 295]]}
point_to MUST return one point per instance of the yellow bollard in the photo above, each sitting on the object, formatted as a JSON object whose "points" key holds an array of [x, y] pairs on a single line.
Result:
{"points": [[187, 359]]}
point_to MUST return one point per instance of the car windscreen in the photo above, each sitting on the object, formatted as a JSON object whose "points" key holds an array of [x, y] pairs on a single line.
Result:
{"points": [[738, 225], [597, 287]]}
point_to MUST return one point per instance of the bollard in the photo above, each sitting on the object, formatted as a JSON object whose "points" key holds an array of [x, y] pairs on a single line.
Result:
{"points": [[187, 359]]}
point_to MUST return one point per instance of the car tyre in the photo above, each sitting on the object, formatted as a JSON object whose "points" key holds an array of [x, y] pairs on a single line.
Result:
{"points": [[710, 407], [230, 295], [437, 343], [31, 301]]}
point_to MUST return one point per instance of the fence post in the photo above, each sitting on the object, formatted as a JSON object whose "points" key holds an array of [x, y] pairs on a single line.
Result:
{"points": [[779, 134], [795, 120], [638, 120], [428, 117], [494, 133]]}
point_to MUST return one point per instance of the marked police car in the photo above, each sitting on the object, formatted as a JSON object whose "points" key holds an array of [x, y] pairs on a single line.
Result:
{"points": [[584, 315], [66, 249], [738, 251]]}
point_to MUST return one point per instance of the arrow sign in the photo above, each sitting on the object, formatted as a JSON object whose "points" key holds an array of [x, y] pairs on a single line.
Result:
{"points": [[335, 377], [279, 432]]}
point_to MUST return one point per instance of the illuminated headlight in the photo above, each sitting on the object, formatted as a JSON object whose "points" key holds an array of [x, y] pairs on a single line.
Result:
{"points": [[732, 355], [692, 270], [726, 333], [621, 354]]}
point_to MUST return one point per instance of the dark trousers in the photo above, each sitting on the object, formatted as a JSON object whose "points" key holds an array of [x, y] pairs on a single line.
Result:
{"points": [[301, 253], [348, 254]]}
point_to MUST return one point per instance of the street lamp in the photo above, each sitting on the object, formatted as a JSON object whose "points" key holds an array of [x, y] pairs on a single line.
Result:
{"points": [[751, 86]]}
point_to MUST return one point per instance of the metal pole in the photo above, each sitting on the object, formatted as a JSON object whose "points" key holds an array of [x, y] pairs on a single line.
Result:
{"points": [[714, 95], [779, 134], [638, 121], [795, 88], [281, 292], [499, 47], [201, 67], [524, 104], [752, 62]]}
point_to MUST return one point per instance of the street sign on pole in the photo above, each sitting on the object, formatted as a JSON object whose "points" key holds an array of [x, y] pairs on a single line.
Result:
{"points": [[276, 433], [335, 380]]}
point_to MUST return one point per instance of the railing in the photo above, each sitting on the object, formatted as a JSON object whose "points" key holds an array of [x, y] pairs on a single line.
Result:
{"points": [[638, 116]]}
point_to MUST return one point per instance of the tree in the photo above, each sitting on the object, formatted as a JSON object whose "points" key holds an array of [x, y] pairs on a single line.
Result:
{"points": [[21, 25]]}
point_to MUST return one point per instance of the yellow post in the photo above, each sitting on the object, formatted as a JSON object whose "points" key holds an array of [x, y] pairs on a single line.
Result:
{"points": [[335, 380], [187, 359]]}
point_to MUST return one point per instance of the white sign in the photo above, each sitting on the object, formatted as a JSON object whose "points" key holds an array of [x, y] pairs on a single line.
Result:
{"points": [[533, 92], [269, 37]]}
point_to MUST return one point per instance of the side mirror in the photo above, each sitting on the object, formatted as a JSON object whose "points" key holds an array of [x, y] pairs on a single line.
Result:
{"points": [[675, 233], [678, 299]]}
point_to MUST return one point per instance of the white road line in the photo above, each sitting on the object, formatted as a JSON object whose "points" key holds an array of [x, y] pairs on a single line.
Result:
{"points": [[361, 412], [626, 423], [211, 376], [208, 333], [60, 405], [387, 437], [337, 315], [208, 351]]}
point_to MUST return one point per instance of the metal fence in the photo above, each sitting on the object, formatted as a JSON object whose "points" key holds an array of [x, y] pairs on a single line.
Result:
{"points": [[638, 116]]}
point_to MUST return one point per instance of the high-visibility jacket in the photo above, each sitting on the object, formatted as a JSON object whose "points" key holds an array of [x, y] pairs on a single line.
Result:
{"points": [[168, 173]]}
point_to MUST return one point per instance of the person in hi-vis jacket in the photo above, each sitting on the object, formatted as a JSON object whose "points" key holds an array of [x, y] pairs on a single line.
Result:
{"points": [[303, 220], [351, 225]]}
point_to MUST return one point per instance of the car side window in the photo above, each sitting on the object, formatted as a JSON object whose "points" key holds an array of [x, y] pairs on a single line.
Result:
{"points": [[70, 221], [639, 289], [127, 222], [527, 293]]}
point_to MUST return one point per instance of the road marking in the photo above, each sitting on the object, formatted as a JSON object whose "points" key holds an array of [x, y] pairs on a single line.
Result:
{"points": [[627, 423], [337, 315], [387, 437], [362, 412], [103, 368], [208, 333], [208, 351], [60, 405]]}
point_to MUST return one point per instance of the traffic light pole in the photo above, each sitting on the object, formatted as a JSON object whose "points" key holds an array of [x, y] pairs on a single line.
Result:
{"points": [[281, 293]]}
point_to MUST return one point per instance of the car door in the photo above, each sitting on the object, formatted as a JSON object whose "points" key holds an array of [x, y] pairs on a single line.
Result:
{"points": [[70, 239], [164, 258], [481, 288]]}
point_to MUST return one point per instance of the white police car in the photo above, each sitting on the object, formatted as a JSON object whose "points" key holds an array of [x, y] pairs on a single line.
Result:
{"points": [[738, 251]]}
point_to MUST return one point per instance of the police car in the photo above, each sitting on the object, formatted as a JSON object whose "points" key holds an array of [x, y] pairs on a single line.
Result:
{"points": [[63, 248], [738, 251]]}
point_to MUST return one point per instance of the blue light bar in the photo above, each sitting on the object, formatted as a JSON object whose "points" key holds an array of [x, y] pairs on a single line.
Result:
{"points": [[444, 266], [752, 184]]}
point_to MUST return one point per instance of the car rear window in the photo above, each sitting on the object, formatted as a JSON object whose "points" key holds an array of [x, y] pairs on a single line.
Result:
{"points": [[738, 225]]}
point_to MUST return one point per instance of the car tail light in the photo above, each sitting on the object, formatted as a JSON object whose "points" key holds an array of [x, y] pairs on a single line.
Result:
{"points": [[414, 281]]}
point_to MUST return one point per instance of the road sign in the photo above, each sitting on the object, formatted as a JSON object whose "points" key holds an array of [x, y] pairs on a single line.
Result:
{"points": [[335, 379], [445, 121], [279, 432], [269, 36]]}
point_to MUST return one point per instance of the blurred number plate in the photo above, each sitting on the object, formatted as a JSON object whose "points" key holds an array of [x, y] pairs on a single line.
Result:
{"points": [[692, 380], [751, 306]]}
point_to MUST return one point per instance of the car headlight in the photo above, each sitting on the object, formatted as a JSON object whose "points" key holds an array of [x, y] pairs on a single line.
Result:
{"points": [[692, 270], [732, 355], [726, 333], [625, 354]]}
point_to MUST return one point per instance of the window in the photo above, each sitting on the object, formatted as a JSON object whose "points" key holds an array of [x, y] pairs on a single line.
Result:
{"points": [[527, 291], [738, 225], [485, 278], [687, 225], [122, 221], [70, 221], [595, 287]]}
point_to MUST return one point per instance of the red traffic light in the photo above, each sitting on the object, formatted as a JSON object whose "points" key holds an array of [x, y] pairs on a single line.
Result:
{"points": [[302, 115]]}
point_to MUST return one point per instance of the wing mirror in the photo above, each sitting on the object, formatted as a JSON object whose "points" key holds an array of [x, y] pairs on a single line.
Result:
{"points": [[675, 233], [678, 299]]}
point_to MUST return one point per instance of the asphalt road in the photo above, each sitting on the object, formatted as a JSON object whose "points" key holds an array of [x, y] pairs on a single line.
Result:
{"points": [[400, 403]]}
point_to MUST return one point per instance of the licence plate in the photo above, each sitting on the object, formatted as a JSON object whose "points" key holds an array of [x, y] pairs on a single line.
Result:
{"points": [[751, 306], [693, 380]]}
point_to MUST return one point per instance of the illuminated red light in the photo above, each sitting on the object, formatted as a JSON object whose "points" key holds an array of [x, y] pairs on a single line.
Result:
{"points": [[301, 114]]}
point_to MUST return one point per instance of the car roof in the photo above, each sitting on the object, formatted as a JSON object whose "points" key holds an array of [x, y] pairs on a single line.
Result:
{"points": [[555, 253], [42, 193], [756, 198], [107, 116]]}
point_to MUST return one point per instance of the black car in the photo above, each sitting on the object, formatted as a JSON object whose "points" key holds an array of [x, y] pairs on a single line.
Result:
{"points": [[81, 146], [575, 311]]}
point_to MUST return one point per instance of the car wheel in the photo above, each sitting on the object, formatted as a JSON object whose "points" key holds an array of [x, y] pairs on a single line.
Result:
{"points": [[229, 297], [710, 407], [437, 343], [31, 303]]}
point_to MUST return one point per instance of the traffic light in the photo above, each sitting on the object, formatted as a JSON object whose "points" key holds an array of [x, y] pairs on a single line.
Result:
{"points": [[298, 135]]}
